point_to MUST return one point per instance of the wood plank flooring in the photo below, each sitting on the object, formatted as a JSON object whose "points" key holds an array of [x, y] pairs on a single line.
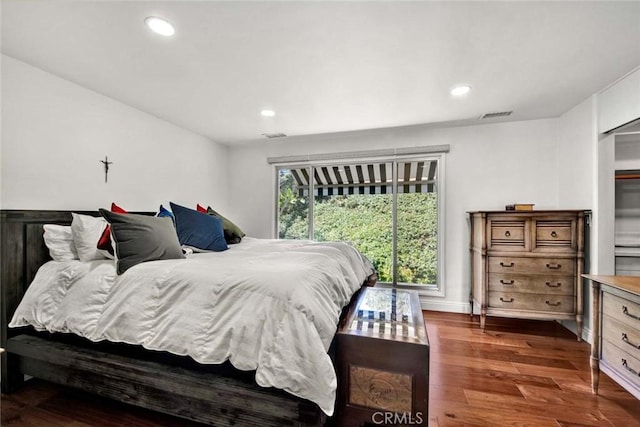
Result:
{"points": [[517, 373]]}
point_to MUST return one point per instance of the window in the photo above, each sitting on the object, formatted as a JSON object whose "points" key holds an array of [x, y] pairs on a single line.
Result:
{"points": [[390, 209]]}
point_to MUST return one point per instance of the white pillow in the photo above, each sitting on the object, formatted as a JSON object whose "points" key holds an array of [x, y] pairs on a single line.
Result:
{"points": [[86, 233], [59, 240]]}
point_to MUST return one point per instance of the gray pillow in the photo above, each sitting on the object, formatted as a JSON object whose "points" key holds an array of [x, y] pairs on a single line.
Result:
{"points": [[141, 238]]}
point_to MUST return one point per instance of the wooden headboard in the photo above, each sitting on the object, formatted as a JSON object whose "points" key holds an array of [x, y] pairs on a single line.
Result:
{"points": [[22, 252]]}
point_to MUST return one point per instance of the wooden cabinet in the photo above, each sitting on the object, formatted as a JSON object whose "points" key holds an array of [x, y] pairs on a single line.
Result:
{"points": [[527, 264], [383, 361], [616, 331]]}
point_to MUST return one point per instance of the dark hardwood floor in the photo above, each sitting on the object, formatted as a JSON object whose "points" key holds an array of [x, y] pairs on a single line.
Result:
{"points": [[517, 373]]}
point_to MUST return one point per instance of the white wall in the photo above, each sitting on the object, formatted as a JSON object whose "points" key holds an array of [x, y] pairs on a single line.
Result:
{"points": [[587, 162], [1, 97], [620, 103], [54, 133], [577, 163], [577, 137], [488, 167]]}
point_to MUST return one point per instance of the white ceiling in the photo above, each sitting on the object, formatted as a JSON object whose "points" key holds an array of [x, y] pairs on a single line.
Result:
{"points": [[329, 66]]}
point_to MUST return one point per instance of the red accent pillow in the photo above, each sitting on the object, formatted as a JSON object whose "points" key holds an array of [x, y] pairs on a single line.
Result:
{"points": [[201, 209], [105, 240]]}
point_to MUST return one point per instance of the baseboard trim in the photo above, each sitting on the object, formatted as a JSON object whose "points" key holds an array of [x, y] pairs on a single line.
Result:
{"points": [[587, 333], [462, 307], [448, 306]]}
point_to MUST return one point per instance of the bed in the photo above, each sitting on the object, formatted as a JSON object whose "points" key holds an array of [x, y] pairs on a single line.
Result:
{"points": [[140, 370]]}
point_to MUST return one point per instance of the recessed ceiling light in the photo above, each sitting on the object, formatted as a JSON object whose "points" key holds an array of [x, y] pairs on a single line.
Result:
{"points": [[160, 26], [268, 113], [460, 90]]}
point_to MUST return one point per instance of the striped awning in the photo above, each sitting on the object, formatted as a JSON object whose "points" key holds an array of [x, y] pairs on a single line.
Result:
{"points": [[371, 178]]}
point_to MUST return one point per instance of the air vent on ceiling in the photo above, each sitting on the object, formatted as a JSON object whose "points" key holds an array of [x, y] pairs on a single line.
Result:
{"points": [[494, 115], [274, 135]]}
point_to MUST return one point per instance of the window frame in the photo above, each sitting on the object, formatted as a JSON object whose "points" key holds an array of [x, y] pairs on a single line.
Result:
{"points": [[437, 289]]}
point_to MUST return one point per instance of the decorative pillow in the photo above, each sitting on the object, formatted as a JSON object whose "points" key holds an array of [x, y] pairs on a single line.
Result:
{"points": [[198, 230], [59, 241], [141, 238], [201, 208], [232, 233], [164, 212], [104, 243], [86, 231]]}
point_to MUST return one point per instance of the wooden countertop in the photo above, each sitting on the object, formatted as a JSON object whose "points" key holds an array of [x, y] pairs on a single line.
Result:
{"points": [[627, 283]]}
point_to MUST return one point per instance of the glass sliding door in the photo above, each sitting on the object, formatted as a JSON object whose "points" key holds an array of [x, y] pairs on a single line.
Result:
{"points": [[353, 203], [388, 210], [417, 222]]}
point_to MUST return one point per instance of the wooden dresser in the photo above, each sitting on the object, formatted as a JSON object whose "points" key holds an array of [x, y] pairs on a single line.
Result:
{"points": [[383, 361], [527, 264], [616, 331]]}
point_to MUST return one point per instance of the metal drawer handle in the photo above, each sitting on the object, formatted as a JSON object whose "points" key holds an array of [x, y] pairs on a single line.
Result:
{"points": [[554, 266], [553, 304], [554, 234], [504, 282], [502, 264], [625, 338], [634, 372], [625, 310], [507, 233], [551, 285], [504, 300]]}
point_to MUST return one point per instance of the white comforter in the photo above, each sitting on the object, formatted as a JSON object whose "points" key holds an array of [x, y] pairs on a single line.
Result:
{"points": [[268, 305]]}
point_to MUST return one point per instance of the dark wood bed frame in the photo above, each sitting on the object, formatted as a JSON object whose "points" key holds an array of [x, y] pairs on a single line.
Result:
{"points": [[213, 394]]}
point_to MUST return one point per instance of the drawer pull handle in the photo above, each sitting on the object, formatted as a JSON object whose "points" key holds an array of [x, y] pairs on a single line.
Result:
{"points": [[625, 338], [551, 285], [555, 304], [504, 282], [507, 233], [554, 234], [504, 300], [633, 371], [554, 266], [502, 264], [625, 310]]}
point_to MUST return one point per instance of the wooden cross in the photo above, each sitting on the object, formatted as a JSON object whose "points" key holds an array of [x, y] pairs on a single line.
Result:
{"points": [[106, 164]]}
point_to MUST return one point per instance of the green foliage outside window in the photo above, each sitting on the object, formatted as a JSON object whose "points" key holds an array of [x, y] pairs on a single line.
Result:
{"points": [[365, 222], [292, 210]]}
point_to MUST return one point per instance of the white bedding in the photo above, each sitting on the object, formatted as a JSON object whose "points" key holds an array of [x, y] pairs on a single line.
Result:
{"points": [[268, 305]]}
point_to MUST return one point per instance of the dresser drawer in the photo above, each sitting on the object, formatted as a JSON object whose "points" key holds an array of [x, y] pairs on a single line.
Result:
{"points": [[554, 234], [527, 264], [621, 335], [622, 310], [622, 362], [535, 284], [507, 233], [532, 302], [546, 266]]}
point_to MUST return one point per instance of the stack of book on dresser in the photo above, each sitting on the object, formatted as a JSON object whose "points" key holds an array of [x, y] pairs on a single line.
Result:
{"points": [[520, 207]]}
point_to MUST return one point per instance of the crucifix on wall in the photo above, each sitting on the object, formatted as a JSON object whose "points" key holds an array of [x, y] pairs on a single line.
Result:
{"points": [[106, 164]]}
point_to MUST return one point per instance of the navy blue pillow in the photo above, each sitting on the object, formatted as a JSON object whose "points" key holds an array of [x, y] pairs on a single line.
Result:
{"points": [[199, 230], [162, 212]]}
